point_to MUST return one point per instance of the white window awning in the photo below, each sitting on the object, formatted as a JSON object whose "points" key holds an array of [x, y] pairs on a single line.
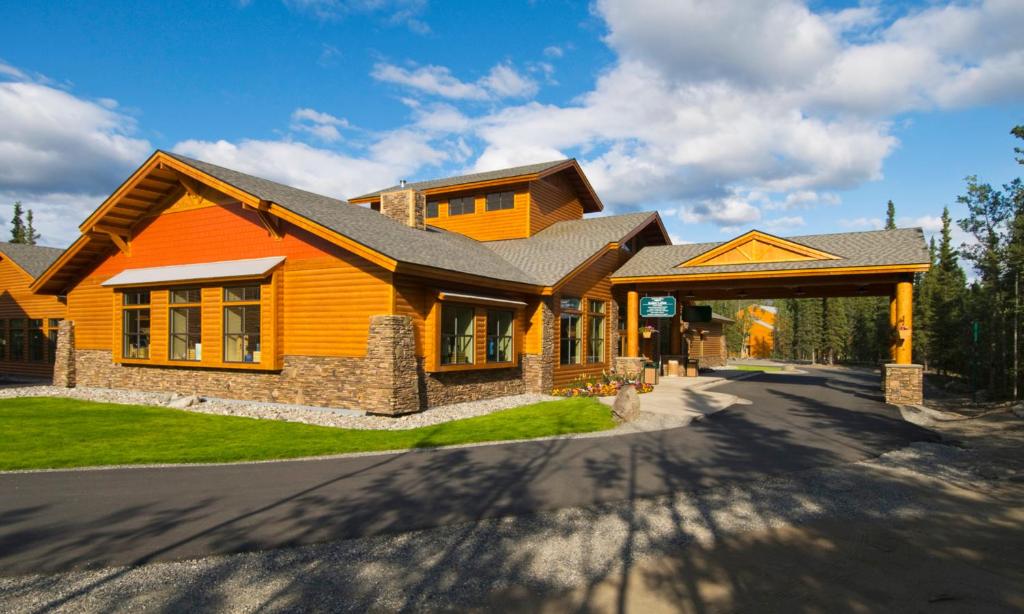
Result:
{"points": [[474, 298], [206, 271]]}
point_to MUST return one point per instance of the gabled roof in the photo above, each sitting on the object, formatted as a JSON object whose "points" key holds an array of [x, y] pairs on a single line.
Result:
{"points": [[879, 248], [529, 172], [757, 246], [33, 259], [553, 253]]}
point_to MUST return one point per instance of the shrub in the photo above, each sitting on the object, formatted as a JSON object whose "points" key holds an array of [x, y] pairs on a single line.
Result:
{"points": [[603, 385]]}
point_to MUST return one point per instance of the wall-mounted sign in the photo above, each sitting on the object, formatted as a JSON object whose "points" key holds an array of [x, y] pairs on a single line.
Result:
{"points": [[657, 306]]}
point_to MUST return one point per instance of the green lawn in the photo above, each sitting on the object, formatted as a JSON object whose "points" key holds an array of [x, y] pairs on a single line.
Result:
{"points": [[766, 368], [49, 432]]}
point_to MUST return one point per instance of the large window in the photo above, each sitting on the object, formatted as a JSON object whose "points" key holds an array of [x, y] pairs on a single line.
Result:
{"points": [[496, 201], [51, 333], [185, 325], [135, 324], [3, 339], [36, 340], [569, 332], [17, 339], [499, 336], [457, 336], [462, 206], [242, 324], [432, 206], [595, 331]]}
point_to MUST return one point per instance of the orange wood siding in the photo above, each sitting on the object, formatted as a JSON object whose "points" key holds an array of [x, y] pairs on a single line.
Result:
{"points": [[590, 283], [484, 225], [323, 296], [17, 302], [552, 200]]}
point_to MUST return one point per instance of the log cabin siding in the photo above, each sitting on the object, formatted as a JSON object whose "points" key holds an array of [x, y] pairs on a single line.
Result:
{"points": [[593, 282], [318, 304], [552, 199], [18, 302], [484, 225]]}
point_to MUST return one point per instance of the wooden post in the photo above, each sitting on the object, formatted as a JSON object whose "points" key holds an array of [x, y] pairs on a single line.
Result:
{"points": [[904, 321], [632, 324], [675, 342], [893, 341]]}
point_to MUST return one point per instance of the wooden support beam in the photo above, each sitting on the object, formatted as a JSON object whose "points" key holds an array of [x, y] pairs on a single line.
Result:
{"points": [[633, 324], [893, 323], [271, 223], [121, 244], [905, 321]]}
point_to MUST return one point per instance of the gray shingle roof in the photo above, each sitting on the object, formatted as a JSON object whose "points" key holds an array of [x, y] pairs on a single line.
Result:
{"points": [[554, 252], [444, 182], [433, 247], [33, 258], [872, 248]]}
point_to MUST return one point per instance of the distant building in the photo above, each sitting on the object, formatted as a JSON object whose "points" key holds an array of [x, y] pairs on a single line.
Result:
{"points": [[759, 341]]}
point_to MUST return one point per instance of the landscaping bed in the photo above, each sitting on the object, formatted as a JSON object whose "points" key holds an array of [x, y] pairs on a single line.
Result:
{"points": [[604, 385], [52, 432]]}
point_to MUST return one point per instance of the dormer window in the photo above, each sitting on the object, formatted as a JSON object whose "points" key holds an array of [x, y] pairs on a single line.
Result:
{"points": [[462, 206], [496, 201]]}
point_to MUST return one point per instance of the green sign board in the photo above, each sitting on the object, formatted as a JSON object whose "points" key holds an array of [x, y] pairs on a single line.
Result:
{"points": [[657, 306]]}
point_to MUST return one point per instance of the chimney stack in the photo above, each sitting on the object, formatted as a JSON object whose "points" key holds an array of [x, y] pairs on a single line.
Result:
{"points": [[405, 206]]}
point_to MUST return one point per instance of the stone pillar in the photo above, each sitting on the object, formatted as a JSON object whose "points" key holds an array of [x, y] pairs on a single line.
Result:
{"points": [[391, 383], [539, 369], [408, 207], [629, 366], [64, 358], [904, 384], [633, 323]]}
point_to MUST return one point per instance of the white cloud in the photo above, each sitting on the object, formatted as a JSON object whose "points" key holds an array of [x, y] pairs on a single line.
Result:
{"points": [[554, 51], [728, 212], [503, 81], [862, 223], [324, 126], [784, 225], [394, 12]]}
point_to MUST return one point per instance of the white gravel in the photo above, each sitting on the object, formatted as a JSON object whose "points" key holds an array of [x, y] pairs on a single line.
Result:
{"points": [[322, 416]]}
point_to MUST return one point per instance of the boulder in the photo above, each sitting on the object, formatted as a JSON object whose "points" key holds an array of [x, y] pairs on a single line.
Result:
{"points": [[184, 402], [1018, 410], [627, 404]]}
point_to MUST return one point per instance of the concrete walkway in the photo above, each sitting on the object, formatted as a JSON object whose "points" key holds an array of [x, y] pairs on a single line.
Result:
{"points": [[678, 401]]}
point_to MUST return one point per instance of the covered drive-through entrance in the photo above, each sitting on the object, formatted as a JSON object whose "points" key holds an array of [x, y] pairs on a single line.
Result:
{"points": [[763, 266]]}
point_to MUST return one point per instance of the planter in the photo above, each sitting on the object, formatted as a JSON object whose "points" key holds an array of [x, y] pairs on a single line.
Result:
{"points": [[646, 334]]}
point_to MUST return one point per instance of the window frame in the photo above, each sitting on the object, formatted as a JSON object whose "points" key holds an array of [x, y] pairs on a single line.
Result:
{"points": [[4, 338], [471, 310], [462, 206], [509, 338], [436, 204], [500, 198], [245, 304], [36, 340], [574, 340], [52, 331], [131, 305], [596, 315]]}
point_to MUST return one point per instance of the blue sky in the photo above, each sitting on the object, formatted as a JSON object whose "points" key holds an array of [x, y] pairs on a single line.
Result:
{"points": [[790, 117]]}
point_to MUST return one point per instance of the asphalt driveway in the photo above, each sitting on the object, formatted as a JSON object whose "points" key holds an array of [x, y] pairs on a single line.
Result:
{"points": [[76, 519]]}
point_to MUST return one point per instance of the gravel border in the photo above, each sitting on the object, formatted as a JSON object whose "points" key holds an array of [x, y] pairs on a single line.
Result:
{"points": [[306, 414]]}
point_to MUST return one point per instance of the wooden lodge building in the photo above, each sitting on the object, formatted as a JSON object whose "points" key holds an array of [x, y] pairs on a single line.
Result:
{"points": [[28, 322], [197, 278]]}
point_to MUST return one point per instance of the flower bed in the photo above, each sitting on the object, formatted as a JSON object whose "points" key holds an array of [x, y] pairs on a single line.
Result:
{"points": [[603, 386]]}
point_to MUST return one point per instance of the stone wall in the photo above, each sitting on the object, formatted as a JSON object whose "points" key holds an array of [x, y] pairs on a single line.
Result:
{"points": [[538, 370], [462, 386], [408, 207], [390, 370], [64, 355], [904, 384], [629, 366]]}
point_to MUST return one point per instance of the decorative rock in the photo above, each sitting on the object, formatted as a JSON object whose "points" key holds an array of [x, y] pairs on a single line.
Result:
{"points": [[1018, 410], [627, 404], [789, 368], [183, 402]]}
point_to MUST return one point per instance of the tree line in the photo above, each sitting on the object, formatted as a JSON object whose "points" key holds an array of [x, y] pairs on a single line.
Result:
{"points": [[23, 228], [965, 327]]}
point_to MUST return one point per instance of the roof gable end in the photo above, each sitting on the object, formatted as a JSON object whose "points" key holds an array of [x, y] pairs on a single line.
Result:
{"points": [[757, 247]]}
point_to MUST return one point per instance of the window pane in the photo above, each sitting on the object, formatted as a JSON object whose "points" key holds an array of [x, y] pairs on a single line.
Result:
{"points": [[3, 339], [136, 297], [595, 340], [52, 345], [432, 208], [185, 330], [497, 201], [185, 295], [462, 206], [242, 334], [36, 340], [457, 338], [55, 322], [242, 293], [499, 336], [596, 306], [569, 339], [570, 303], [136, 333]]}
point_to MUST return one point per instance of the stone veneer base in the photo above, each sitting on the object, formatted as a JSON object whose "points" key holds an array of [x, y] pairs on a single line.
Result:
{"points": [[904, 384]]}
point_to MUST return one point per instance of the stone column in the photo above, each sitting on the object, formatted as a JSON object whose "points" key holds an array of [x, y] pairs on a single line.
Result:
{"points": [[405, 206], [64, 358], [539, 369], [904, 384], [629, 366], [391, 383]]}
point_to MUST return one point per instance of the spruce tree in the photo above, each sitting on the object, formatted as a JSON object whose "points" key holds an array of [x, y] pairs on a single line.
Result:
{"points": [[950, 329], [890, 216], [17, 224], [31, 235]]}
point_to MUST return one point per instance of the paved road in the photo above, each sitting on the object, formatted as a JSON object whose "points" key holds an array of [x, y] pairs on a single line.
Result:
{"points": [[77, 519]]}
